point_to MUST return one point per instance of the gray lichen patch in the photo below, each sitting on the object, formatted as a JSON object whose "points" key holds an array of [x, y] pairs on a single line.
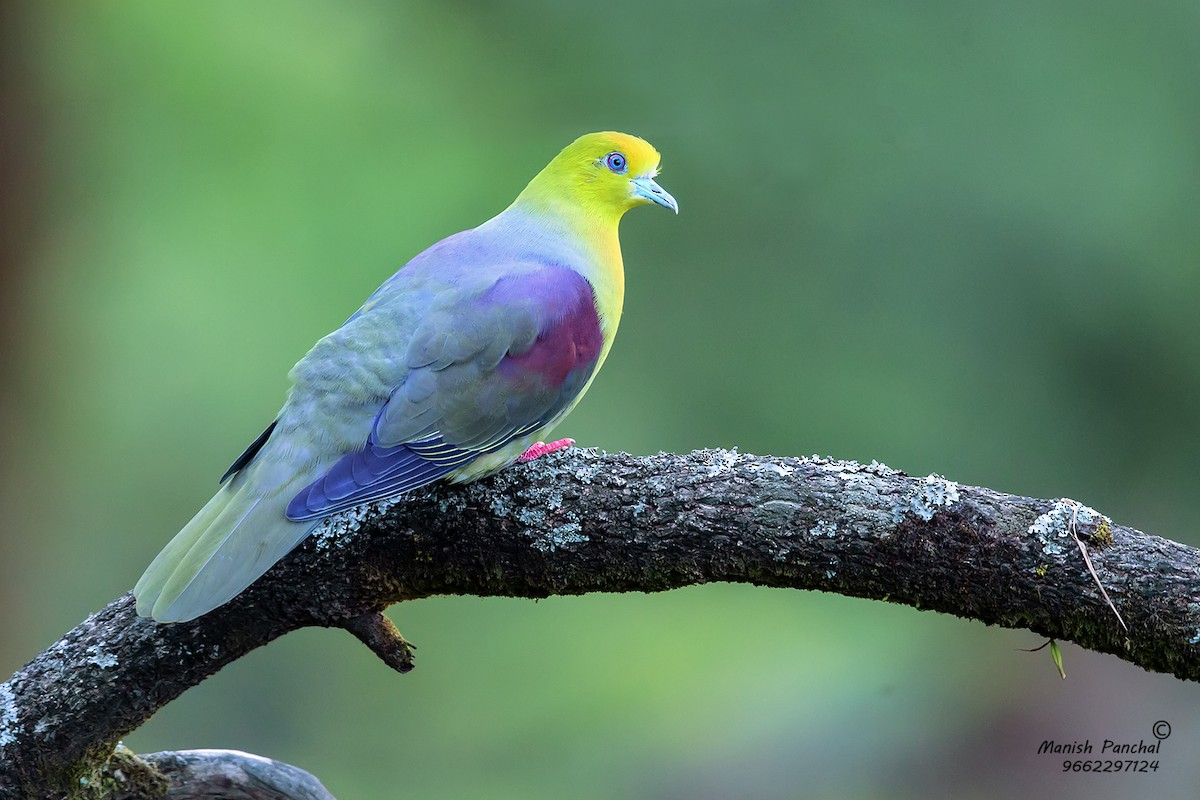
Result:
{"points": [[561, 536], [452, 502], [563, 463], [720, 461], [881, 469], [875, 467], [923, 502], [96, 655], [499, 506], [846, 469], [532, 517], [837, 466], [1053, 528], [824, 528], [8, 716], [535, 505], [338, 530], [782, 470]]}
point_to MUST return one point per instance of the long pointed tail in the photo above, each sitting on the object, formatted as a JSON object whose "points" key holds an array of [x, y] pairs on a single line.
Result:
{"points": [[227, 546]]}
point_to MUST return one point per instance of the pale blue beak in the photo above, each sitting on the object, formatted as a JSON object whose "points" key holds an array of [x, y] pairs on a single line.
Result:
{"points": [[646, 188]]}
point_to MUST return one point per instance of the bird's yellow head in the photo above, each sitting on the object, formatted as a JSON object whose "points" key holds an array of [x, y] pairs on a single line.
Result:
{"points": [[603, 175]]}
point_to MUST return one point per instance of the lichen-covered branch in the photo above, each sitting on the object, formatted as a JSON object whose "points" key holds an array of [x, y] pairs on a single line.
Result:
{"points": [[231, 775], [582, 522]]}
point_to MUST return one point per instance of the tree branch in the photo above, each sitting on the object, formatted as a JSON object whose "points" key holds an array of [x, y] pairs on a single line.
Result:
{"points": [[228, 774], [583, 522]]}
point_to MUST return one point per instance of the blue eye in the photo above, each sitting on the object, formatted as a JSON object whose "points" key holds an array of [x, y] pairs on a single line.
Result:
{"points": [[616, 163]]}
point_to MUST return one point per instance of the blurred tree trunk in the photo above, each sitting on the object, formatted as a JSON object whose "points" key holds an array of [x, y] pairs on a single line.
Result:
{"points": [[21, 194]]}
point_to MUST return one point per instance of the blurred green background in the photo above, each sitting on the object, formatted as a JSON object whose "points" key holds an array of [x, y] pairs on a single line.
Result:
{"points": [[953, 237]]}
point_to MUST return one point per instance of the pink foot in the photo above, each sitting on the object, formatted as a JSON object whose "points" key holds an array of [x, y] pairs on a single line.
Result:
{"points": [[542, 448]]}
